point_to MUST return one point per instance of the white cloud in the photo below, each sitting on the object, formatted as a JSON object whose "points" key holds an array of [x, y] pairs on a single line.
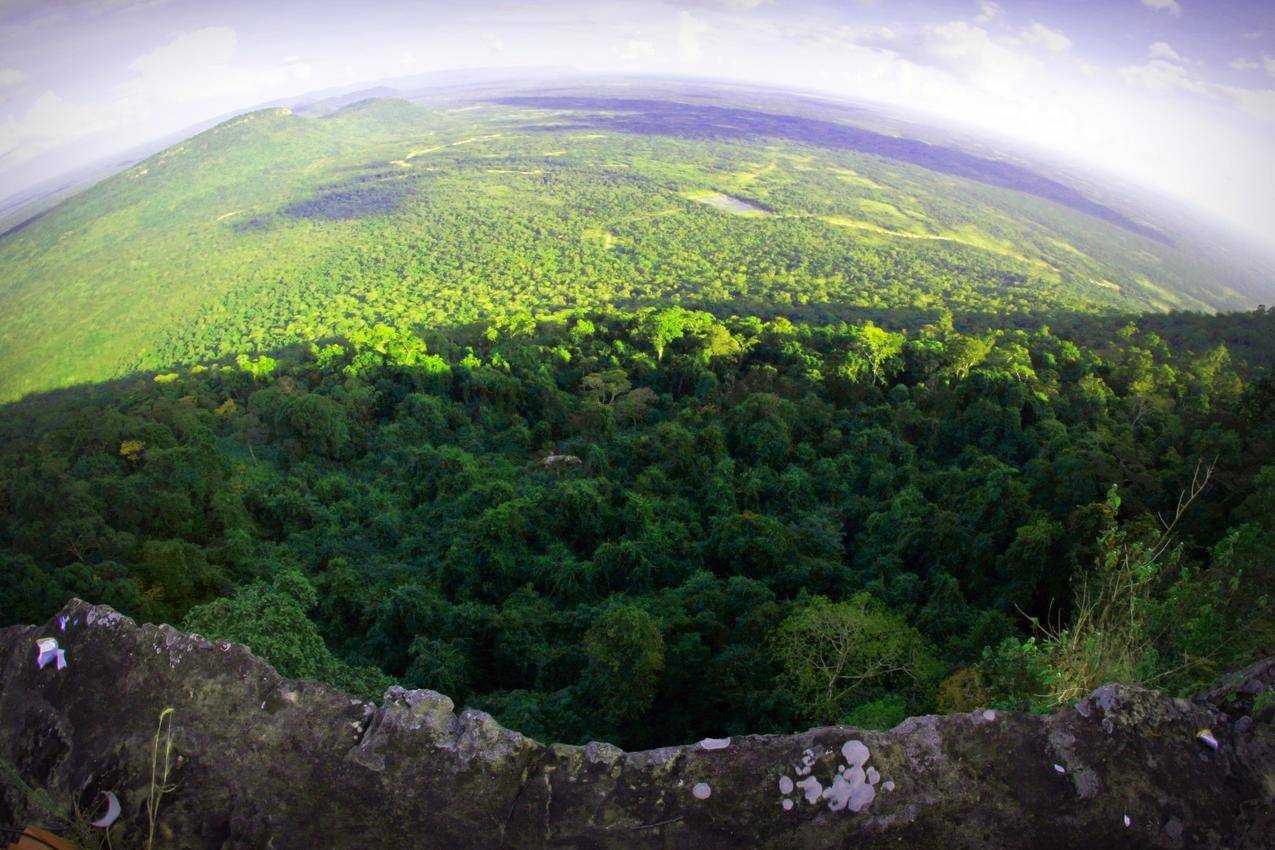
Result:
{"points": [[987, 9], [1164, 77], [844, 35], [208, 46], [1170, 6], [1042, 36], [1259, 103], [1243, 64], [636, 48], [1163, 50], [729, 5], [203, 65], [738, 5], [52, 120], [12, 78], [1252, 36], [689, 29], [971, 54], [1161, 76], [1268, 63]]}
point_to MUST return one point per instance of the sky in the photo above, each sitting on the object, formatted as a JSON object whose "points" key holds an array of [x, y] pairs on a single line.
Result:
{"points": [[1175, 95]]}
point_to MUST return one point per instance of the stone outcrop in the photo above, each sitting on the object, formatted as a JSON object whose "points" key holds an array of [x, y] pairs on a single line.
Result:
{"points": [[264, 761]]}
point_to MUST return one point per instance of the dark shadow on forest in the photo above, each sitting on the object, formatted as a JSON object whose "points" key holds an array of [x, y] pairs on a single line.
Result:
{"points": [[350, 201], [693, 121]]}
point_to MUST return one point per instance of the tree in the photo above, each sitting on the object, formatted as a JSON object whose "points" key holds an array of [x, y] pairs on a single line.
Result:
{"points": [[664, 325], [270, 618], [604, 387], [626, 658], [836, 654], [877, 349], [964, 353]]}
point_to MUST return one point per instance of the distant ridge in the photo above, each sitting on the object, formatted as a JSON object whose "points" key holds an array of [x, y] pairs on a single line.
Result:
{"points": [[698, 121]]}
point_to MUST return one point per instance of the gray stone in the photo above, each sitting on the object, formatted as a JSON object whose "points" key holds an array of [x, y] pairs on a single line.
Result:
{"points": [[263, 761]]}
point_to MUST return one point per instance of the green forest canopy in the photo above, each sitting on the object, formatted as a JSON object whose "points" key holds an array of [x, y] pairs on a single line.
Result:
{"points": [[658, 525]]}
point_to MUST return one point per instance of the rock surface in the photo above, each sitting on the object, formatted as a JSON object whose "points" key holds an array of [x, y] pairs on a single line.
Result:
{"points": [[263, 761]]}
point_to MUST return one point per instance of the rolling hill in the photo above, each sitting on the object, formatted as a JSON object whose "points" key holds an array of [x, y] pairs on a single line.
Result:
{"points": [[277, 227]]}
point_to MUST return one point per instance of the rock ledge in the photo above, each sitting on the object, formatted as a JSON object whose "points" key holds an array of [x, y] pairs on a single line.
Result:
{"points": [[264, 761]]}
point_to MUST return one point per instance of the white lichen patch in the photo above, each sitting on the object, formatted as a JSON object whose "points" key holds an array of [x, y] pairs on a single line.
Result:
{"points": [[989, 715], [105, 616], [855, 753], [701, 791], [714, 743], [812, 788], [838, 794], [853, 786]]}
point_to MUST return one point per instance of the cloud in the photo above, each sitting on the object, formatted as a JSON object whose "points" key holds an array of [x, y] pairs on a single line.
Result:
{"points": [[1160, 75], [987, 9], [968, 52], [1163, 50], [1170, 6], [52, 120], [11, 79], [1252, 36], [1042, 36], [1259, 103], [845, 35], [727, 5], [125, 5], [1266, 63], [636, 48], [208, 46], [1165, 77], [689, 29], [203, 65]]}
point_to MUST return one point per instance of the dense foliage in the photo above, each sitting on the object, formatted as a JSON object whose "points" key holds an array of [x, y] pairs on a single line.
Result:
{"points": [[654, 526]]}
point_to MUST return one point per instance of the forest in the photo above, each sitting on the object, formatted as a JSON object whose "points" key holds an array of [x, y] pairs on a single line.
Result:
{"points": [[653, 525], [275, 229]]}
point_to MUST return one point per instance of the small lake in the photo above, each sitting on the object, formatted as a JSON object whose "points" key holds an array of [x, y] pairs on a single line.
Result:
{"points": [[732, 205]]}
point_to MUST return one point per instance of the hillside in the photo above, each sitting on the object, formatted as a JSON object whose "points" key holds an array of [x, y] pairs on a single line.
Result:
{"points": [[275, 228]]}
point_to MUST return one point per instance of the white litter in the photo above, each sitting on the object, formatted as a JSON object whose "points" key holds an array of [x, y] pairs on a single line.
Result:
{"points": [[112, 811]]}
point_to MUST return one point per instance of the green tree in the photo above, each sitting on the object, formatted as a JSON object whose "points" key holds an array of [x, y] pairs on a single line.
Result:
{"points": [[835, 655], [270, 619], [626, 659]]}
